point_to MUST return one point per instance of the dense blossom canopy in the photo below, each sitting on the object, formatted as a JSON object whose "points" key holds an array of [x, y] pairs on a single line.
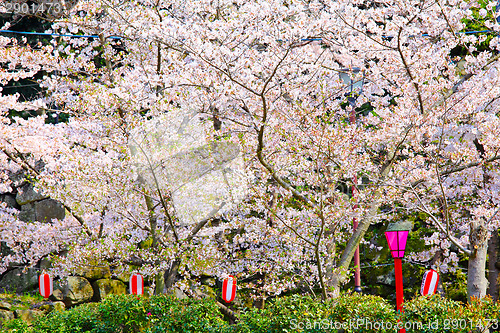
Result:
{"points": [[262, 77]]}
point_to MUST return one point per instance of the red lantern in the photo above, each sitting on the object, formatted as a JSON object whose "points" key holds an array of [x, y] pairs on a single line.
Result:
{"points": [[429, 283], [229, 289], [45, 285], [136, 284]]}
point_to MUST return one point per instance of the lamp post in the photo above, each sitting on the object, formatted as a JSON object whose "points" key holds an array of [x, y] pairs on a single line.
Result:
{"points": [[397, 244], [355, 89]]}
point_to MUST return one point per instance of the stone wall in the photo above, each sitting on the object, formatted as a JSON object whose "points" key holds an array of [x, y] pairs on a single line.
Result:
{"points": [[67, 292], [32, 205]]}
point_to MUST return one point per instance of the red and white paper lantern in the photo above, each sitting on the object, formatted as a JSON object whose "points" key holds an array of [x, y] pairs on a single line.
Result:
{"points": [[136, 284], [45, 285], [229, 289], [429, 283]]}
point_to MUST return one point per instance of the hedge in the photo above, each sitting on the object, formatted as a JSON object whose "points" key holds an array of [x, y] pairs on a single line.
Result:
{"points": [[347, 313]]}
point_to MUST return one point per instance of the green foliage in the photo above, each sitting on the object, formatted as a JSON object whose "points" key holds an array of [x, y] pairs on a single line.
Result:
{"points": [[353, 313], [168, 314], [83, 318], [448, 316], [21, 302], [16, 326], [362, 309], [129, 313], [348, 313], [483, 313], [278, 316], [122, 313], [455, 285]]}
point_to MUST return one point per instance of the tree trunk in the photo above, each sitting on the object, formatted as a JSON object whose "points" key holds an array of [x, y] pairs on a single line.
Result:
{"points": [[476, 277], [492, 267], [159, 284], [171, 275]]}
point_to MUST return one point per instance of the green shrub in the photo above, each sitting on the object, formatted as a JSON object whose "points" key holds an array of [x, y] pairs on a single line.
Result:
{"points": [[122, 313], [434, 313], [281, 315], [352, 313], [363, 313], [168, 314], [347, 313], [83, 318], [16, 326], [127, 314]]}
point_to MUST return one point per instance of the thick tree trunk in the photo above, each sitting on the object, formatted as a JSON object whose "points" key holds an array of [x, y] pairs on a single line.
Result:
{"points": [[493, 250], [476, 275], [159, 284], [171, 275]]}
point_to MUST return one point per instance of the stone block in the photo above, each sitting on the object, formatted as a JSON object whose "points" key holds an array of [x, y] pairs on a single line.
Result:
{"points": [[5, 306], [179, 294], [388, 279], [58, 306], [53, 306], [27, 213], [27, 194], [48, 209], [5, 315], [208, 281], [10, 200], [204, 291], [94, 272], [28, 316], [18, 178], [73, 290], [16, 280], [123, 276], [105, 287]]}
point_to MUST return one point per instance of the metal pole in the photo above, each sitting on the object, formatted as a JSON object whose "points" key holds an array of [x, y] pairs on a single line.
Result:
{"points": [[398, 270], [357, 269]]}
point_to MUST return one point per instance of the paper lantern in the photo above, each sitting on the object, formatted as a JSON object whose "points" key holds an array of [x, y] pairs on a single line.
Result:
{"points": [[429, 283], [45, 285], [229, 289], [136, 284]]}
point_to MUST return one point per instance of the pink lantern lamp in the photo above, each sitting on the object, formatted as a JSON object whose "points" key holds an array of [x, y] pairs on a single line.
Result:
{"points": [[397, 244]]}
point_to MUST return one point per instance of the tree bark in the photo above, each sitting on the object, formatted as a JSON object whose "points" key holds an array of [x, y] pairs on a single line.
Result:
{"points": [[171, 275], [493, 252], [476, 277]]}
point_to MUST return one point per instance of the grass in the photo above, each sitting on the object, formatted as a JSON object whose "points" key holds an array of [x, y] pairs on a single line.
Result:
{"points": [[23, 301]]}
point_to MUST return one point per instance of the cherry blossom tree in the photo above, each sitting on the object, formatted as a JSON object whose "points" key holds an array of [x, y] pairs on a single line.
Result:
{"points": [[264, 75]]}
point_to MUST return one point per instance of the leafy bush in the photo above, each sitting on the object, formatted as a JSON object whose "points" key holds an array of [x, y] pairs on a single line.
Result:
{"points": [[280, 315], [83, 318], [122, 313], [347, 313], [352, 313], [168, 314], [434, 313], [129, 313]]}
